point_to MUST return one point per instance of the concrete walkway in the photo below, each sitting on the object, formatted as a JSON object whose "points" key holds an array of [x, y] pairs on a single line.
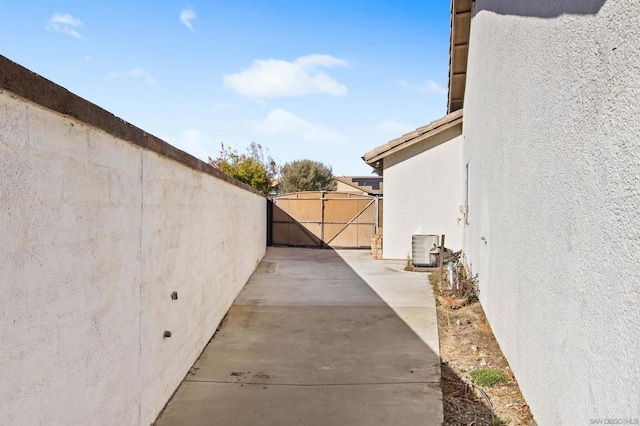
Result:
{"points": [[319, 337]]}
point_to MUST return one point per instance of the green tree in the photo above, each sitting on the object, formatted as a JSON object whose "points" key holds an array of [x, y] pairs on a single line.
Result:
{"points": [[245, 167], [262, 156], [306, 175]]}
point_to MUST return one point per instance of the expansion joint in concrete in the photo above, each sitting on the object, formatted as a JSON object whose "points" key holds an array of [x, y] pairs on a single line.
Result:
{"points": [[309, 385]]}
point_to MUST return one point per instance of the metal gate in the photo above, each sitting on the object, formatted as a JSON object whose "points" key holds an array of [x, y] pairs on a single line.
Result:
{"points": [[324, 219]]}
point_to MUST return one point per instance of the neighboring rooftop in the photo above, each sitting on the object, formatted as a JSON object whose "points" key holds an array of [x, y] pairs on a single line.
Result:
{"points": [[370, 184], [374, 157]]}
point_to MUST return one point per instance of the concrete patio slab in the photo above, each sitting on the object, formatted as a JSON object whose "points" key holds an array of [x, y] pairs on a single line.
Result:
{"points": [[284, 291], [210, 404], [319, 337], [316, 345]]}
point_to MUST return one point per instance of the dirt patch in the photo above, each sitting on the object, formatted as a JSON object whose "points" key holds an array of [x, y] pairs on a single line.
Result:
{"points": [[468, 348]]}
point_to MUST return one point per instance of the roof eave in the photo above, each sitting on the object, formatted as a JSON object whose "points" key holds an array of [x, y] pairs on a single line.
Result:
{"points": [[375, 157], [461, 12]]}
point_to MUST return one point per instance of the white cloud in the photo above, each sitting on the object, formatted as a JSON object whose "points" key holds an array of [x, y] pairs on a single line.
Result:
{"points": [[65, 24], [194, 143], [431, 86], [273, 78], [135, 73], [282, 122], [224, 105], [186, 16], [396, 127], [191, 136], [402, 83]]}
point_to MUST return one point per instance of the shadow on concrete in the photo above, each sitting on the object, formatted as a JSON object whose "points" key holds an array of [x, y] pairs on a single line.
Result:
{"points": [[540, 8], [309, 341]]}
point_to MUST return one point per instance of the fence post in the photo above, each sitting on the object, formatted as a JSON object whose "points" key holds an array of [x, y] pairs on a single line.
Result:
{"points": [[269, 222], [441, 260], [377, 225], [322, 218]]}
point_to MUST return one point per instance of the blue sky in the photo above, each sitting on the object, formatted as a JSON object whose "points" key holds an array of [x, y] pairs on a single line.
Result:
{"points": [[324, 80]]}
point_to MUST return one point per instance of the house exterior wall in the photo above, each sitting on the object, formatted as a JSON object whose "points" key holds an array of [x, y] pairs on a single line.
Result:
{"points": [[552, 139], [96, 234], [343, 187], [423, 193]]}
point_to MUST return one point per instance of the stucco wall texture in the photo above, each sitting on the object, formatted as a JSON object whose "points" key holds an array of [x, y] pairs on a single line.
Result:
{"points": [[552, 139], [96, 235], [423, 193]]}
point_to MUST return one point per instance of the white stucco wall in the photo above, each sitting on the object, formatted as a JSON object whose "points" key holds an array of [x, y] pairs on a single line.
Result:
{"points": [[343, 187], [423, 193], [552, 138], [95, 235]]}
